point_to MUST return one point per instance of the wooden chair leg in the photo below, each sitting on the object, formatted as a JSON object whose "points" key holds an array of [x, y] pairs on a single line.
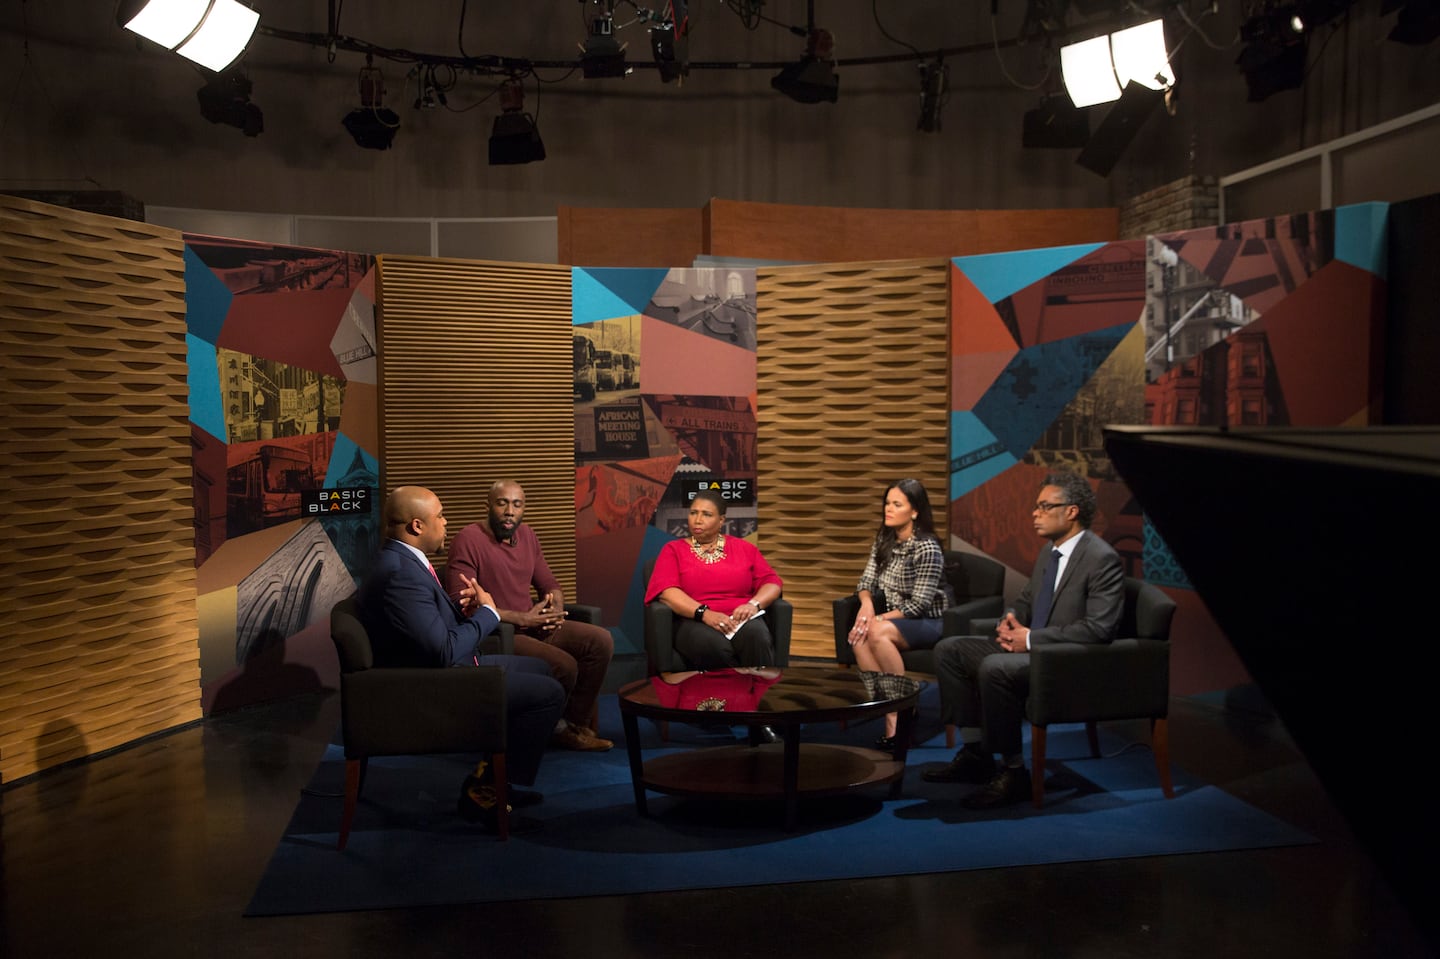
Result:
{"points": [[1094, 736], [949, 735], [1160, 746], [1037, 766], [502, 795], [354, 779]]}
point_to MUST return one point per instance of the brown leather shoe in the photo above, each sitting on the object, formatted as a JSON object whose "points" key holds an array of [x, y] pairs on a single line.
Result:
{"points": [[573, 737]]}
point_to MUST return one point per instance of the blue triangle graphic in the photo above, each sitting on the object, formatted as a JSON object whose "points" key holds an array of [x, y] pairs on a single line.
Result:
{"points": [[997, 275], [603, 294], [976, 456], [1360, 236], [203, 380], [1038, 383], [207, 300]]}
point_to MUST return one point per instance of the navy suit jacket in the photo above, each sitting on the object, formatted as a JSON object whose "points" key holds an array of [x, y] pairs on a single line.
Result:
{"points": [[1088, 599], [411, 620]]}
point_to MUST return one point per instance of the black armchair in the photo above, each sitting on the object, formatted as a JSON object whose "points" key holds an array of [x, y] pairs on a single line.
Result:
{"points": [[408, 711], [1126, 679], [660, 622], [978, 583]]}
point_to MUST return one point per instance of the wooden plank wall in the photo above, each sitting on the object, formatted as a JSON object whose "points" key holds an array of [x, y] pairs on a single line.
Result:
{"points": [[475, 379], [592, 236], [853, 377], [821, 234], [814, 234], [99, 638]]}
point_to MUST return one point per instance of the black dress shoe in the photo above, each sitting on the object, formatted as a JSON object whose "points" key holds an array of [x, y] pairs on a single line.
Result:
{"points": [[886, 744], [523, 797], [968, 766], [766, 734], [1007, 787]]}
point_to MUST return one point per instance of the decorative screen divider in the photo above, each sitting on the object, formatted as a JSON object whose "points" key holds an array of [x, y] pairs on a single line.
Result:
{"points": [[476, 385], [98, 626], [853, 394]]}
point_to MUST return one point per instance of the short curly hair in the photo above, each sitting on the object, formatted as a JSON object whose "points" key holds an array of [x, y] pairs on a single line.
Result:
{"points": [[1077, 491]]}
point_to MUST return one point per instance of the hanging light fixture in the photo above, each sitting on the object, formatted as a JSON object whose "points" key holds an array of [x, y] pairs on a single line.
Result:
{"points": [[372, 124], [1096, 70], [514, 138], [213, 33]]}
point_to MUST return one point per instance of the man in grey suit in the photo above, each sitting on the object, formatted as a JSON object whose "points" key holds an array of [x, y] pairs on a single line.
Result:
{"points": [[1075, 595]]}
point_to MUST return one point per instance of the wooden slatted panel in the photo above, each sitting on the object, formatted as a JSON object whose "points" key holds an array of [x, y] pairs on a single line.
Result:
{"points": [[853, 379], [476, 384], [99, 637]]}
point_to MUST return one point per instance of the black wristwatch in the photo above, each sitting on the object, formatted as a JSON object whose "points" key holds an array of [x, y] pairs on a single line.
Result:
{"points": [[700, 612]]}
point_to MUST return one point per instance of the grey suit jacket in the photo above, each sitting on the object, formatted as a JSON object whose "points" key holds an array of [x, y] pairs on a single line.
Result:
{"points": [[1088, 598]]}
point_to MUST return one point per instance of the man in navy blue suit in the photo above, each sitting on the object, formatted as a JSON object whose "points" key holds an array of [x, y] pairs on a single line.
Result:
{"points": [[412, 621]]}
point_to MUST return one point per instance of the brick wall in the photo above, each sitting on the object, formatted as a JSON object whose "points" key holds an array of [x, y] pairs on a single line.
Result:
{"points": [[1183, 204]]}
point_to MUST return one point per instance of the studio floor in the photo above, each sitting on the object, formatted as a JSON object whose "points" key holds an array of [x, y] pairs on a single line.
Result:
{"points": [[155, 850]]}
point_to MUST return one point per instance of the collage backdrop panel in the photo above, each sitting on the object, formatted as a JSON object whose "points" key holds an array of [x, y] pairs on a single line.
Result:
{"points": [[1267, 322], [1046, 349], [284, 427], [664, 404]]}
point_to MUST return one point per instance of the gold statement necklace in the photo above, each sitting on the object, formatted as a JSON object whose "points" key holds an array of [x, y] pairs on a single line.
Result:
{"points": [[713, 553]]}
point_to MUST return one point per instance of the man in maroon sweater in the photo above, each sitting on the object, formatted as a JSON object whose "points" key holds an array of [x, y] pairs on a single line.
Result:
{"points": [[504, 555]]}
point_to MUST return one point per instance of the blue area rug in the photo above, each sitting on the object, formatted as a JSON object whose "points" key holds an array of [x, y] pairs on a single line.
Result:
{"points": [[408, 848]]}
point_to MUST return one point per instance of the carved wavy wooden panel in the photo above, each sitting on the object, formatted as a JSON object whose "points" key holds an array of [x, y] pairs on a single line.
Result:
{"points": [[853, 379], [99, 639], [476, 384]]}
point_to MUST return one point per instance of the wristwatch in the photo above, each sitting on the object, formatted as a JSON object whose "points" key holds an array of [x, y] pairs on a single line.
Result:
{"points": [[700, 612]]}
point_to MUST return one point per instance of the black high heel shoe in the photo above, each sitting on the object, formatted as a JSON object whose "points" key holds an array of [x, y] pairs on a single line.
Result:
{"points": [[885, 744]]}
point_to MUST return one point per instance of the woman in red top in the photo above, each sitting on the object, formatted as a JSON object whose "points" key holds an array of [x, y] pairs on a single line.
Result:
{"points": [[719, 584]]}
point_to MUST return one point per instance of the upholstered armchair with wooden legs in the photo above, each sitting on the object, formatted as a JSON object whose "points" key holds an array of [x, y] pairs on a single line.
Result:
{"points": [[1089, 683], [411, 711]]}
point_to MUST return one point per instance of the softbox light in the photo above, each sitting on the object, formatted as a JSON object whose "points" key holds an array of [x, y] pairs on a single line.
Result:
{"points": [[213, 33]]}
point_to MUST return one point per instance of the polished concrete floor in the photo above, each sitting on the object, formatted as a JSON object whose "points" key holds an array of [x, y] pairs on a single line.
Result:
{"points": [[154, 851]]}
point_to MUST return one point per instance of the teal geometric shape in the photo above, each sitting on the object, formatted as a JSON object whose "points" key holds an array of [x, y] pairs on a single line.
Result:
{"points": [[998, 275], [203, 380], [207, 300], [1039, 382], [1360, 236], [1161, 567], [341, 458], [631, 631], [605, 293], [976, 456]]}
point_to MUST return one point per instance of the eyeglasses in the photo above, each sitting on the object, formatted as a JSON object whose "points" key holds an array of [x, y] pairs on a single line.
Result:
{"points": [[1047, 507]]}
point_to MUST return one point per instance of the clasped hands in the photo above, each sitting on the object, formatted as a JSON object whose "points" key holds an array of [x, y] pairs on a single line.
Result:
{"points": [[1010, 635], [546, 615]]}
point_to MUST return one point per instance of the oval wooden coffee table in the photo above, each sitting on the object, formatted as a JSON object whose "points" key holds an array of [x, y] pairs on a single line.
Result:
{"points": [[801, 696]]}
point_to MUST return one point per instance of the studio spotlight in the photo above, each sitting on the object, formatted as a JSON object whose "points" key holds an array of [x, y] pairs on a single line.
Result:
{"points": [[1096, 70], [514, 138], [812, 78], [226, 99], [1056, 123], [601, 55], [933, 77], [372, 125], [213, 33], [1273, 55]]}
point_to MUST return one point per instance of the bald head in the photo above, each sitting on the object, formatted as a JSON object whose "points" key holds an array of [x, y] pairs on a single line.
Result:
{"points": [[413, 515], [507, 509]]}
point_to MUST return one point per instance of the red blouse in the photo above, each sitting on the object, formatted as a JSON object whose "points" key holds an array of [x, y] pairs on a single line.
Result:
{"points": [[723, 585]]}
